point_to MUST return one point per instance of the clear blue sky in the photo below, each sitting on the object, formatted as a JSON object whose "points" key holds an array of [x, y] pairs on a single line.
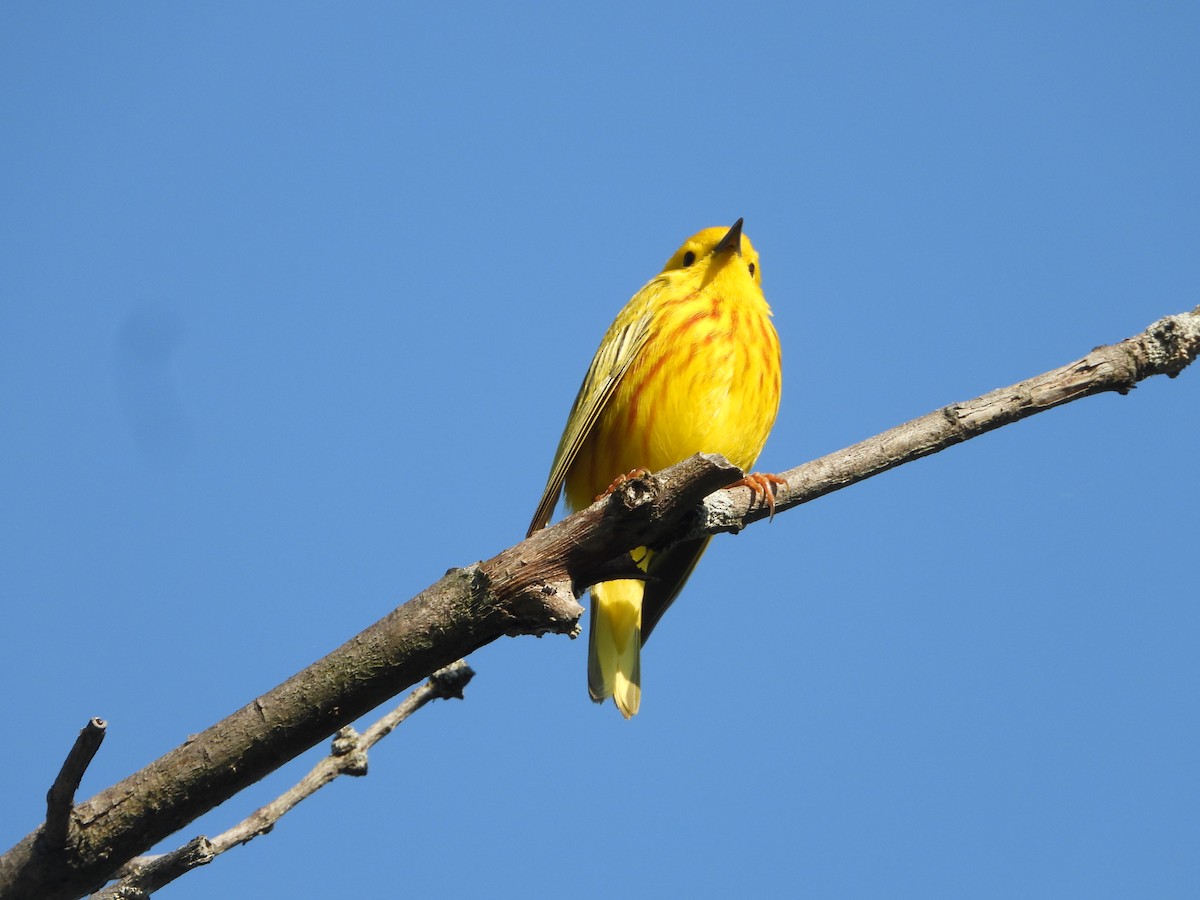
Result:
{"points": [[294, 299]]}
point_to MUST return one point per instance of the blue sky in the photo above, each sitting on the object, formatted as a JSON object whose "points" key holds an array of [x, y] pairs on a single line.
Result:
{"points": [[294, 299]]}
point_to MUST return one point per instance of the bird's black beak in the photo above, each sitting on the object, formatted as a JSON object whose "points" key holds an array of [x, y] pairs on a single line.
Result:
{"points": [[732, 240]]}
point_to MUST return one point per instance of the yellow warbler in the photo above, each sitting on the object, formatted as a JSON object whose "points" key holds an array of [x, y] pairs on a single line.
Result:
{"points": [[690, 365]]}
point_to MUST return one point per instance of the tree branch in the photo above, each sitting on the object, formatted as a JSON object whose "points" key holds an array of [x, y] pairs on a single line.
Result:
{"points": [[60, 799], [1166, 347], [528, 589], [142, 876]]}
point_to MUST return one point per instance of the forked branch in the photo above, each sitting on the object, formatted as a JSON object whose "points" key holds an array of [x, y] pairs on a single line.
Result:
{"points": [[142, 876]]}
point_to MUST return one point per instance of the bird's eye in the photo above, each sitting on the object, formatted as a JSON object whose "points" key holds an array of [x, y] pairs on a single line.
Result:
{"points": [[688, 258], [751, 270]]}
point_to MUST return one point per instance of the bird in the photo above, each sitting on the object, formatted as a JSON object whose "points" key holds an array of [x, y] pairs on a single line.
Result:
{"points": [[691, 364]]}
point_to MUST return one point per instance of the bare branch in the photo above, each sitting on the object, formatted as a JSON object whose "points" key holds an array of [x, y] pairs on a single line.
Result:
{"points": [[60, 799], [348, 755], [142, 876], [528, 589], [1166, 347]]}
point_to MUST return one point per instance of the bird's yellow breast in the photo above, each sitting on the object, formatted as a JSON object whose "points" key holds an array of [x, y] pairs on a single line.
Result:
{"points": [[708, 380]]}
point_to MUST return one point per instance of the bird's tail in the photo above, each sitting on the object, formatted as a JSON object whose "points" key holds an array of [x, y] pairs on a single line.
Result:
{"points": [[615, 644]]}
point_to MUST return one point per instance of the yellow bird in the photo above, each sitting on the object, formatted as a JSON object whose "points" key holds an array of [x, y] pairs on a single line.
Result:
{"points": [[691, 364]]}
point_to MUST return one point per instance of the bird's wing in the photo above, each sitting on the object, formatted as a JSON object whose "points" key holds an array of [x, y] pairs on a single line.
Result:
{"points": [[666, 574], [619, 349]]}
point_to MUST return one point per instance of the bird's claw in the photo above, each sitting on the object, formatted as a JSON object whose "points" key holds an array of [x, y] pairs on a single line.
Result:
{"points": [[762, 485]]}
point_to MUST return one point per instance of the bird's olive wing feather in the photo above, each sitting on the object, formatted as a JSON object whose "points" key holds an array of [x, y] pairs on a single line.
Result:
{"points": [[619, 349], [668, 571]]}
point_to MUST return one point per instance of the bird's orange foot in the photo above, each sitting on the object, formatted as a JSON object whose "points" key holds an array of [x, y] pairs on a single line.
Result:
{"points": [[621, 479], [762, 485]]}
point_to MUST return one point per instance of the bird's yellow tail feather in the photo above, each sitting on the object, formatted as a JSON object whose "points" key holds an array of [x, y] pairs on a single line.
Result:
{"points": [[615, 644]]}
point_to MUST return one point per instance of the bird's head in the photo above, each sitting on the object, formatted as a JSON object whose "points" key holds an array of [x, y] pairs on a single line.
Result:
{"points": [[714, 251]]}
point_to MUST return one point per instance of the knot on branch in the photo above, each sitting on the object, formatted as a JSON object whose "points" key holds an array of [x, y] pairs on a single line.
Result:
{"points": [[548, 608], [1172, 343], [345, 741], [449, 681], [350, 751], [515, 596], [636, 494]]}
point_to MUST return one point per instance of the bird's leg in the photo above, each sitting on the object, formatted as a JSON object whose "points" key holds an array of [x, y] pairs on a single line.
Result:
{"points": [[621, 479], [762, 485]]}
